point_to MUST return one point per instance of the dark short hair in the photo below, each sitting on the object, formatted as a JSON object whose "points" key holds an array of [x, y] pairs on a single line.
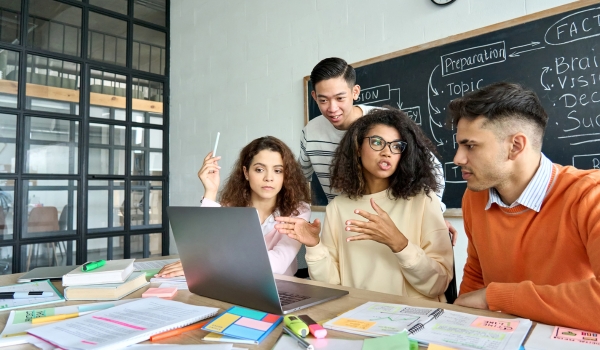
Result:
{"points": [[499, 102], [415, 171], [333, 67]]}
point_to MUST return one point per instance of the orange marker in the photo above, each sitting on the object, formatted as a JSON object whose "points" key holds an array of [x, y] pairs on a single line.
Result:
{"points": [[177, 331]]}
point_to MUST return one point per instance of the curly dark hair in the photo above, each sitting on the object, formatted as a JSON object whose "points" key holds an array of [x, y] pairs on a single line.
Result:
{"points": [[236, 192], [415, 171]]}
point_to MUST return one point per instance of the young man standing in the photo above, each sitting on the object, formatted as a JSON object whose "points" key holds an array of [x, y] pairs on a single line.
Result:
{"points": [[334, 91], [533, 226]]}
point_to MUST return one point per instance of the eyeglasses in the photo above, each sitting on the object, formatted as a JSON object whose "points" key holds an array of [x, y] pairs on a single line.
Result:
{"points": [[377, 143]]}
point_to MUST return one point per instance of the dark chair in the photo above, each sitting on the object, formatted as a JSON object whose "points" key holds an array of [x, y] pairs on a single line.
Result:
{"points": [[42, 219], [63, 224], [451, 292]]}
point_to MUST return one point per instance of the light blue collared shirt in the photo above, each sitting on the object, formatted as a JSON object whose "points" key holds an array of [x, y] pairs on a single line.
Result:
{"points": [[534, 193]]}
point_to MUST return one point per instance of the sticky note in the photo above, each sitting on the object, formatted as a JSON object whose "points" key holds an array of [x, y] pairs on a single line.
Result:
{"points": [[495, 324], [240, 311], [243, 332], [414, 345], [221, 323], [439, 347], [160, 292], [575, 335], [357, 324], [252, 323], [392, 342], [271, 318]]}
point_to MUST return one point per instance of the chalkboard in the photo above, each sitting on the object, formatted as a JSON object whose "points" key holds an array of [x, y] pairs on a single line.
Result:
{"points": [[556, 53]]}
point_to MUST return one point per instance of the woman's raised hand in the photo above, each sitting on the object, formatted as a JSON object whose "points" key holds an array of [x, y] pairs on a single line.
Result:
{"points": [[299, 229], [378, 227], [210, 177], [171, 270]]}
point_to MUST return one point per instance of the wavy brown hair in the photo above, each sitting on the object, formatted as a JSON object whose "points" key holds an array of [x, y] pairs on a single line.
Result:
{"points": [[415, 172], [236, 192]]}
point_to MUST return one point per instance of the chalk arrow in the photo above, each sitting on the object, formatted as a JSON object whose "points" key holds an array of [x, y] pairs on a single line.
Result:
{"points": [[430, 107], [435, 109], [435, 92], [532, 44], [516, 54], [545, 70]]}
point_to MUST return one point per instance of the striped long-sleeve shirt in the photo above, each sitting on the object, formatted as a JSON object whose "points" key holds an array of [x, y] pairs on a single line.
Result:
{"points": [[317, 149]]}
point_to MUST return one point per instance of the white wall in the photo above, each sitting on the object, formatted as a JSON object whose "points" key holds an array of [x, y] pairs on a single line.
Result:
{"points": [[237, 66]]}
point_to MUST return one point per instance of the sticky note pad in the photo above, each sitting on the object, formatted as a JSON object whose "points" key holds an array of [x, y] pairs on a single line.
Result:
{"points": [[496, 324], [252, 323], [241, 311], [393, 342], [221, 323], [242, 323], [271, 318], [243, 332], [357, 324], [160, 292]]}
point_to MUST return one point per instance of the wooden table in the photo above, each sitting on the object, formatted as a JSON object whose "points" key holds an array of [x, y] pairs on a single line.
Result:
{"points": [[324, 311]]}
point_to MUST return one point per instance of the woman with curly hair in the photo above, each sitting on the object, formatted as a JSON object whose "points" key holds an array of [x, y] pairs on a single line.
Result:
{"points": [[267, 177], [385, 232]]}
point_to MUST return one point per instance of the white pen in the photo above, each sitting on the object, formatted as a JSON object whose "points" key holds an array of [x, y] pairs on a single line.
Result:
{"points": [[214, 153]]}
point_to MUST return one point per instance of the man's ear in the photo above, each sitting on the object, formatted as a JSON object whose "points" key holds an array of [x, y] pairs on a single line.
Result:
{"points": [[355, 92], [314, 95], [517, 147]]}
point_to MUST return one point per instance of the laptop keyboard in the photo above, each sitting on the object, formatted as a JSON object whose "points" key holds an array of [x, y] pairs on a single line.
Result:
{"points": [[289, 298]]}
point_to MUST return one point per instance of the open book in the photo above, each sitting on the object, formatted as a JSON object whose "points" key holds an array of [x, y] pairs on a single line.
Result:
{"points": [[429, 325], [122, 325]]}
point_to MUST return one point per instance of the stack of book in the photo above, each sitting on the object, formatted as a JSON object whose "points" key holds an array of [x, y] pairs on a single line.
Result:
{"points": [[112, 281]]}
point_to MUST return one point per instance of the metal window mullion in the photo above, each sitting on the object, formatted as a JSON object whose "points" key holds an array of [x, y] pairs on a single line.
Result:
{"points": [[64, 27], [111, 199], [82, 195], [165, 98], [109, 248]]}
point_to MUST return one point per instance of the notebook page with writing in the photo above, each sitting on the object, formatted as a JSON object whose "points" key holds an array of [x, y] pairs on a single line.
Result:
{"points": [[122, 325], [466, 331], [430, 325], [374, 319]]}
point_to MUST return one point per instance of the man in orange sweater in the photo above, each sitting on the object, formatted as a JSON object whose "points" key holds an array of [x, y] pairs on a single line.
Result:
{"points": [[533, 226]]}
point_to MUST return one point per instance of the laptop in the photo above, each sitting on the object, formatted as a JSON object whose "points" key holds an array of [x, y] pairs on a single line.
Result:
{"points": [[224, 257]]}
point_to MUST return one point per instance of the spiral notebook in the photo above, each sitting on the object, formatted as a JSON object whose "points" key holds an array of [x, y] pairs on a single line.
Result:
{"points": [[122, 325], [433, 325]]}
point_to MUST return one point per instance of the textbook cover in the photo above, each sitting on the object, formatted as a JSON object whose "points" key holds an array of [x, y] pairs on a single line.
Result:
{"points": [[242, 323]]}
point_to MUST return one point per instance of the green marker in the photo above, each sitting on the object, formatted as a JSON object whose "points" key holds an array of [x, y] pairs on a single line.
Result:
{"points": [[296, 325], [92, 265]]}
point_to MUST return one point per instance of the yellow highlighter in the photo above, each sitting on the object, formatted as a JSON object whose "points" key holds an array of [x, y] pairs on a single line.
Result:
{"points": [[296, 325]]}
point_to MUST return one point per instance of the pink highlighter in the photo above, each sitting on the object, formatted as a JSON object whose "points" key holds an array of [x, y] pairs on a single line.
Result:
{"points": [[315, 329]]}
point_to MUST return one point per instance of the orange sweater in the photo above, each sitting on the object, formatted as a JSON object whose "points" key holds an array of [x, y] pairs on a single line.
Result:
{"points": [[543, 266]]}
